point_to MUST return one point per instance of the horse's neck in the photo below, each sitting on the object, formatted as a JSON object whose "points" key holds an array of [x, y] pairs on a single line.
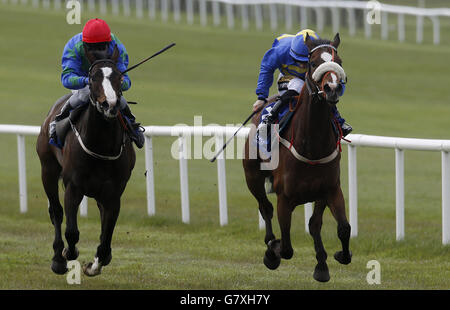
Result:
{"points": [[314, 136], [99, 134]]}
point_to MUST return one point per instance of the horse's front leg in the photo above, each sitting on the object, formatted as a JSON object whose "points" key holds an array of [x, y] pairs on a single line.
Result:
{"points": [[109, 213], [321, 272], [336, 204], [72, 200]]}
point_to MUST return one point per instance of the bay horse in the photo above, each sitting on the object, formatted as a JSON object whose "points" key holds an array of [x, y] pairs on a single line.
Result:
{"points": [[309, 165], [96, 161]]}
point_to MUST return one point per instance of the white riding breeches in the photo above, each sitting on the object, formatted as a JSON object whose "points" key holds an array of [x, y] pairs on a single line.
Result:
{"points": [[288, 82]]}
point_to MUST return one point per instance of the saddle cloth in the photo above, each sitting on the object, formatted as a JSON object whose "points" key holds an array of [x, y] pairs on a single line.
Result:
{"points": [[283, 117]]}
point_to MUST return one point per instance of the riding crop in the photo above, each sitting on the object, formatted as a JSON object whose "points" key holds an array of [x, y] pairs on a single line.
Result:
{"points": [[225, 145], [146, 59]]}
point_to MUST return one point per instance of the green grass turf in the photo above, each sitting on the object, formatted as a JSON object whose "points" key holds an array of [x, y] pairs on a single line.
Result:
{"points": [[394, 90]]}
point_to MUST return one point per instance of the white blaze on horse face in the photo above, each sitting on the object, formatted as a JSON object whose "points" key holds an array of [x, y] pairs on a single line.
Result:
{"points": [[110, 94], [326, 57], [333, 84]]}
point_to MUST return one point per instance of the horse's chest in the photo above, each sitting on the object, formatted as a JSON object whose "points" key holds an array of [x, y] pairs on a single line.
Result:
{"points": [[98, 179]]}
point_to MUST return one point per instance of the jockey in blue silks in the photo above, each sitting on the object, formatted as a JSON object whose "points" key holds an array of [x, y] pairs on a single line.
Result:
{"points": [[289, 55], [98, 39]]}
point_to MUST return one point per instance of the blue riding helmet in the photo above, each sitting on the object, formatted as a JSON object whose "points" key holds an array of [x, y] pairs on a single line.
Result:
{"points": [[299, 51]]}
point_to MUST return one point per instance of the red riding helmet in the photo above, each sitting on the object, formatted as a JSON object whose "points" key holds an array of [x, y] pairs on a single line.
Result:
{"points": [[95, 31]]}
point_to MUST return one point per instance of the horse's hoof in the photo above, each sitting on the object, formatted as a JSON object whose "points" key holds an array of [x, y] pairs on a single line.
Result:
{"points": [[287, 254], [70, 255], [271, 260], [59, 267], [343, 259], [272, 257], [92, 269], [91, 272], [321, 275]]}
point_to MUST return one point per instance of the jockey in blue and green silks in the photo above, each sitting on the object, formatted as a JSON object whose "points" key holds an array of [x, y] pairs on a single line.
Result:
{"points": [[97, 38], [289, 55]]}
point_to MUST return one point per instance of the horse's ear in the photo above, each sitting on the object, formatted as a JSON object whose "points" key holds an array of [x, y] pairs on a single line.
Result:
{"points": [[336, 40], [309, 42], [89, 55], [115, 55]]}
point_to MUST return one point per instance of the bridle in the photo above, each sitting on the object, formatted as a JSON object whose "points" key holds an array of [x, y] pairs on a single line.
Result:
{"points": [[316, 91], [95, 103], [311, 80], [95, 63]]}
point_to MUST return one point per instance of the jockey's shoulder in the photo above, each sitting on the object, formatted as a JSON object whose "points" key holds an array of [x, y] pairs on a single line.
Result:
{"points": [[283, 40]]}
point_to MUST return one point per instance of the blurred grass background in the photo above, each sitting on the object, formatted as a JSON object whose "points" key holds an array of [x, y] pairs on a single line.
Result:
{"points": [[395, 89]]}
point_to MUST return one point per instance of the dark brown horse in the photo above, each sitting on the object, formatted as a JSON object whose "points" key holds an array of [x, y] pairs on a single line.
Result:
{"points": [[309, 163], [96, 161]]}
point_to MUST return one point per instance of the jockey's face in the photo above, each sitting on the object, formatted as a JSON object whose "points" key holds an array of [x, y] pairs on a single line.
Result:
{"points": [[302, 64], [101, 46]]}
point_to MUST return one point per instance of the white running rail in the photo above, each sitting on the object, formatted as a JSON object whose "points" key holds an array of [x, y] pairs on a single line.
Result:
{"points": [[183, 132], [288, 14]]}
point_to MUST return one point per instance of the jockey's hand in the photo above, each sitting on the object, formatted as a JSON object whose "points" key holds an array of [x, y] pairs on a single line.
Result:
{"points": [[258, 105]]}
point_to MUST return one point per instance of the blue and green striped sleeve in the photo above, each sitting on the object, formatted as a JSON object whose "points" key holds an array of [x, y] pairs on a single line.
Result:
{"points": [[73, 76]]}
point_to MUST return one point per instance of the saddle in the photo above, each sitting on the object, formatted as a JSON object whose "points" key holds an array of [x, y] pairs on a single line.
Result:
{"points": [[63, 126], [284, 118]]}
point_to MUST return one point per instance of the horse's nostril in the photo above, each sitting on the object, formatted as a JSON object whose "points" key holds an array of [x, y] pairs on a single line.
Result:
{"points": [[104, 105]]}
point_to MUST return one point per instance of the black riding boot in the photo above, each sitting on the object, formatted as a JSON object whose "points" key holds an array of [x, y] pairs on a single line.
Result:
{"points": [[65, 112], [273, 114], [282, 101], [136, 131], [346, 128]]}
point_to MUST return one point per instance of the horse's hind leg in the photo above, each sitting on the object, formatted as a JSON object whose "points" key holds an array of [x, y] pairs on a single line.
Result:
{"points": [[337, 206], [72, 200], [321, 272], [255, 181], [50, 171], [277, 249], [284, 214], [109, 213]]}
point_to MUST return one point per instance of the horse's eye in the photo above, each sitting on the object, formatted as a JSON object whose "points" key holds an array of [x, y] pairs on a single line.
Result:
{"points": [[313, 64], [96, 77]]}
